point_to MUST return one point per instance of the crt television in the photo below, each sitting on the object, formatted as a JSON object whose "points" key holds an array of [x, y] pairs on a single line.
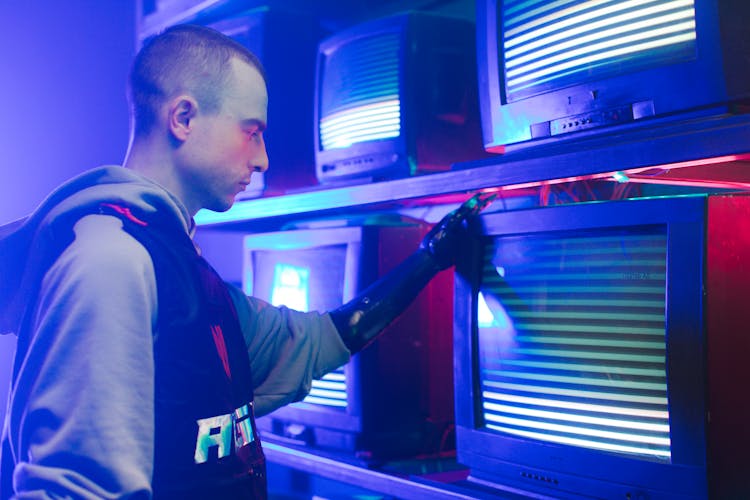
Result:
{"points": [[396, 97], [552, 71], [392, 399], [601, 349]]}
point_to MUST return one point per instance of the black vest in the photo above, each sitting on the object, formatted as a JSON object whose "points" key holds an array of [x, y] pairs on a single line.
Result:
{"points": [[206, 442]]}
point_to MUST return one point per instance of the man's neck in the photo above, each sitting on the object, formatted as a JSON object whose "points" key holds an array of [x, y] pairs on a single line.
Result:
{"points": [[154, 161]]}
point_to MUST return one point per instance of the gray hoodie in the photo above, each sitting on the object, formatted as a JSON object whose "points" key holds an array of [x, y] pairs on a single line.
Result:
{"points": [[80, 419]]}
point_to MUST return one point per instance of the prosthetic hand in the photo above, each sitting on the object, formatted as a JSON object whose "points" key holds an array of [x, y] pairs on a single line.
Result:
{"points": [[360, 320]]}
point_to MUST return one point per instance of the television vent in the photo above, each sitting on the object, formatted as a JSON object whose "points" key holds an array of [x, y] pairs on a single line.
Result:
{"points": [[572, 343], [360, 98], [549, 43]]}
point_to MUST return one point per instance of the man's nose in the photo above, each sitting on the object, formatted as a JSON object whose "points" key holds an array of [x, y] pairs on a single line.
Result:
{"points": [[260, 160]]}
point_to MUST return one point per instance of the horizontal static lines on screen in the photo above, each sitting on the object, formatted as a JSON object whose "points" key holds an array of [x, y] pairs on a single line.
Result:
{"points": [[329, 390], [571, 371], [368, 89], [360, 99], [578, 394], [586, 443], [385, 108], [359, 71], [586, 14], [629, 419], [568, 67], [601, 368], [372, 122], [540, 49], [661, 426], [582, 380], [541, 46], [574, 354], [655, 411], [615, 437]]}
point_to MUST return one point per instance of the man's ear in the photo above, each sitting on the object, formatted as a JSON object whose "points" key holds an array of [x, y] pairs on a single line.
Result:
{"points": [[182, 110]]}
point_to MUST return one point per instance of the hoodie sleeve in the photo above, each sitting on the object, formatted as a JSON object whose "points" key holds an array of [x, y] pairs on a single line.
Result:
{"points": [[287, 349], [81, 412]]}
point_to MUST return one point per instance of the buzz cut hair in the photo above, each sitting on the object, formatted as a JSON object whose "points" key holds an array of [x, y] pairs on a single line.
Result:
{"points": [[185, 58]]}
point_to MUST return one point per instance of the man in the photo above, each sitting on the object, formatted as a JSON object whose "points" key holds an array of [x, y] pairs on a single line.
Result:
{"points": [[138, 371]]}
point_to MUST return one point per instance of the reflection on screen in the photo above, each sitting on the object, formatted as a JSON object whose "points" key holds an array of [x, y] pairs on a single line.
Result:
{"points": [[291, 287]]}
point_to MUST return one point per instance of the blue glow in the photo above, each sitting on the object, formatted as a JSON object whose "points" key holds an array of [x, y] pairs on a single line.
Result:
{"points": [[545, 44], [492, 318], [368, 122], [620, 177], [291, 287], [329, 390], [571, 331]]}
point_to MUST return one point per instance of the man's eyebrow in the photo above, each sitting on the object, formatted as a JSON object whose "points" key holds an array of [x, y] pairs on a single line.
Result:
{"points": [[254, 122]]}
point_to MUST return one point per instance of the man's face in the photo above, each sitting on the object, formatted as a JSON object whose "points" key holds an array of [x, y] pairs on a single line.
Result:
{"points": [[223, 149]]}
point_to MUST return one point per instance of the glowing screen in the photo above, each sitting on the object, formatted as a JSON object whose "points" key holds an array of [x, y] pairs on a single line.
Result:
{"points": [[305, 279], [572, 342], [552, 43], [359, 98], [291, 287]]}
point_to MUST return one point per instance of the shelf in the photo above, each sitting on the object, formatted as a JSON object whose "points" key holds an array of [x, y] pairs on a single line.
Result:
{"points": [[656, 151], [453, 486]]}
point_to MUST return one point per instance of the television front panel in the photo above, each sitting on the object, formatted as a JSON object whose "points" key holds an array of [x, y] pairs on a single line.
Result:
{"points": [[554, 71], [598, 347]]}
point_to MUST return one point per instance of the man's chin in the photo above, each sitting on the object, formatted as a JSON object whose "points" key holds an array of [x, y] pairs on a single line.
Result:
{"points": [[221, 206]]}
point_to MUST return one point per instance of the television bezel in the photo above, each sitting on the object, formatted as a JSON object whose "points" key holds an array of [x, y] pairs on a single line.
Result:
{"points": [[665, 90], [526, 463]]}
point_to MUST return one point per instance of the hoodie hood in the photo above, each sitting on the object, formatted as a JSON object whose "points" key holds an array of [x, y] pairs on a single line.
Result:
{"points": [[26, 246]]}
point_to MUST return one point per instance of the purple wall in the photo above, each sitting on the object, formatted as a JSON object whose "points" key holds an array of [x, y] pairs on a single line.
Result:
{"points": [[63, 67], [62, 94]]}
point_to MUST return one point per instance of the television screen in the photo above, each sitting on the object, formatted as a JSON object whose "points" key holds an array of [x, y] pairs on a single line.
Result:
{"points": [[551, 72], [295, 277], [304, 280], [550, 45], [361, 99], [597, 348], [571, 340]]}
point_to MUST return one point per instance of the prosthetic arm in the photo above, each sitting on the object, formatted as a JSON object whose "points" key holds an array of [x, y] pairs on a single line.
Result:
{"points": [[360, 320]]}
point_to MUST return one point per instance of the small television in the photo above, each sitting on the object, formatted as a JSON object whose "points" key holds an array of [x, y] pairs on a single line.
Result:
{"points": [[396, 97], [601, 349], [392, 399], [554, 71], [289, 63]]}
